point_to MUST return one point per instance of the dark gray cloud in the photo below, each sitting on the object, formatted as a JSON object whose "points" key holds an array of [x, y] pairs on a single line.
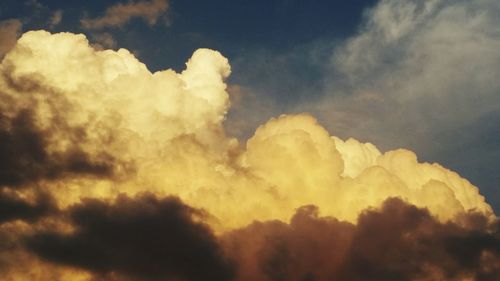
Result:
{"points": [[143, 237], [151, 238], [24, 157], [398, 242], [402, 242], [12, 207]]}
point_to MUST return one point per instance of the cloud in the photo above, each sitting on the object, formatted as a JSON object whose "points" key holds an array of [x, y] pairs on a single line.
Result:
{"points": [[53, 137], [9, 32], [42, 15], [144, 237], [415, 74], [103, 41], [416, 71], [101, 117], [404, 243], [25, 159], [97, 124], [13, 207], [397, 242], [120, 14], [56, 18]]}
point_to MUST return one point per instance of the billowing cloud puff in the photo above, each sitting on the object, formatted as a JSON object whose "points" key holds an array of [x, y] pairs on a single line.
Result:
{"points": [[88, 113], [85, 98], [86, 133]]}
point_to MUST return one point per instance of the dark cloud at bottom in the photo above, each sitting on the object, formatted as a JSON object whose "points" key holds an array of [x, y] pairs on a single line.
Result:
{"points": [[398, 242], [146, 238]]}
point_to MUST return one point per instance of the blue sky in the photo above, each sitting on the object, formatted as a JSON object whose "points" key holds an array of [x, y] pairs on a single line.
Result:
{"points": [[232, 27], [424, 79]]}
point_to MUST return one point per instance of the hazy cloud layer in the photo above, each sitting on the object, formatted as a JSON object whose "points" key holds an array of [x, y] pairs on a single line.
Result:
{"points": [[103, 40], [416, 72]]}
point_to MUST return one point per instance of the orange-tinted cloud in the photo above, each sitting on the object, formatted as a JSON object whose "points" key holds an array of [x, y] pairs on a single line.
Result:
{"points": [[85, 133], [397, 242], [118, 15]]}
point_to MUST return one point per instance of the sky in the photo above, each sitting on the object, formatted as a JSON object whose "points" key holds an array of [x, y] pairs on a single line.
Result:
{"points": [[291, 56], [244, 130]]}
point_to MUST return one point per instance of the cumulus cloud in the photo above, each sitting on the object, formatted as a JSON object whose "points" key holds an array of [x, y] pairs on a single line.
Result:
{"points": [[397, 242], [101, 114], [120, 14], [97, 124]]}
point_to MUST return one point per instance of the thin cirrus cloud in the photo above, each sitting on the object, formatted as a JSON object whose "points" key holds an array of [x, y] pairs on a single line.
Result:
{"points": [[154, 236], [120, 14]]}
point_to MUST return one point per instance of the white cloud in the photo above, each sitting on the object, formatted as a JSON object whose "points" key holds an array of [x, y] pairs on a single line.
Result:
{"points": [[416, 68]]}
